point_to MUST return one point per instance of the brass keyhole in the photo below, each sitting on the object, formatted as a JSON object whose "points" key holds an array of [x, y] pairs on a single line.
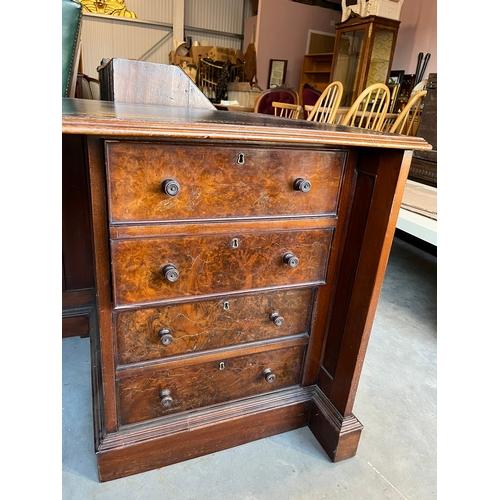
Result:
{"points": [[241, 159], [235, 243], [221, 365], [225, 305]]}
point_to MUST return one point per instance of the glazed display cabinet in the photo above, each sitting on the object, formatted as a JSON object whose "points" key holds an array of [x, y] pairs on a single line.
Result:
{"points": [[363, 52]]}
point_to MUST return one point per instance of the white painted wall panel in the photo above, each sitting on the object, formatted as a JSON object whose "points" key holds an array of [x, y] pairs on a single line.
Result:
{"points": [[152, 10], [149, 38], [217, 15], [108, 38]]}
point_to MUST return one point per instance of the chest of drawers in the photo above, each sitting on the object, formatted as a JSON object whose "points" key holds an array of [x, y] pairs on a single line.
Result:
{"points": [[239, 259]]}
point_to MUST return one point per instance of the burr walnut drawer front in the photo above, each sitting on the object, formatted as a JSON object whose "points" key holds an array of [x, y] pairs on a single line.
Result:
{"points": [[154, 182], [154, 333], [181, 388], [155, 269]]}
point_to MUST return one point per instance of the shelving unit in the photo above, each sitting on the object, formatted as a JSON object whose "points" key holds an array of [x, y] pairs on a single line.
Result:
{"points": [[316, 70]]}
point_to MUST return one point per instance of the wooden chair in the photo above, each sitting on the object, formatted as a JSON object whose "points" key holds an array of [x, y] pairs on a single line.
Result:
{"points": [[395, 89], [369, 109], [264, 103], [326, 106], [286, 110], [87, 87], [409, 119]]}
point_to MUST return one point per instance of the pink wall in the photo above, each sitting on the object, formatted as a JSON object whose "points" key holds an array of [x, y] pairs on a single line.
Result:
{"points": [[417, 33], [281, 33], [282, 27]]}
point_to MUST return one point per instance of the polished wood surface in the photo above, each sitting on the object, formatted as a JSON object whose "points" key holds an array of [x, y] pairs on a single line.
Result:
{"points": [[209, 264], [211, 324], [203, 384], [206, 182], [101, 118], [153, 407]]}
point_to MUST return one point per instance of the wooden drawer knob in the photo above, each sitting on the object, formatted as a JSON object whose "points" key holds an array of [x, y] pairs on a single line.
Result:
{"points": [[276, 319], [165, 398], [269, 375], [170, 187], [302, 185], [170, 272], [165, 336], [290, 260]]}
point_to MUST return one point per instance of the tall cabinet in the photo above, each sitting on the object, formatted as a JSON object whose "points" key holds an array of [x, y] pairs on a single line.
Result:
{"points": [[362, 54]]}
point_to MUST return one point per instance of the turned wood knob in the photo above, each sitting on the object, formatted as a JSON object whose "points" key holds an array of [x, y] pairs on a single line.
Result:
{"points": [[290, 260], [165, 336], [165, 398], [170, 272], [302, 185], [276, 319], [170, 187], [269, 375]]}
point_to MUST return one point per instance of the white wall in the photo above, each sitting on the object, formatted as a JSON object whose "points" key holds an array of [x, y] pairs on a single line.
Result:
{"points": [[150, 38]]}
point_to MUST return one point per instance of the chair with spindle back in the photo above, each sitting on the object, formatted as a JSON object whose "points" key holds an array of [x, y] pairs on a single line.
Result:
{"points": [[285, 110], [408, 120], [369, 109], [326, 106]]}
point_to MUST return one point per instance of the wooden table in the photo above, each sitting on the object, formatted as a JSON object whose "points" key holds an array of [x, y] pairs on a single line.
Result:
{"points": [[239, 259], [227, 107]]}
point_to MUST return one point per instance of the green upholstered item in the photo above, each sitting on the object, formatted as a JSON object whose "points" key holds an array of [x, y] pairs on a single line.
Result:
{"points": [[71, 16]]}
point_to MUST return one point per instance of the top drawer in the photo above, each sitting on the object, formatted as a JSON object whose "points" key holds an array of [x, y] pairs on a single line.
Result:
{"points": [[206, 182]]}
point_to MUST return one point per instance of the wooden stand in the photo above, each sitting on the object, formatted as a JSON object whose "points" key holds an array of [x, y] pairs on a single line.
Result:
{"points": [[239, 259]]}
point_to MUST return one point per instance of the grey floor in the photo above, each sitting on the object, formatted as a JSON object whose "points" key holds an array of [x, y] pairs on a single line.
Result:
{"points": [[396, 402]]}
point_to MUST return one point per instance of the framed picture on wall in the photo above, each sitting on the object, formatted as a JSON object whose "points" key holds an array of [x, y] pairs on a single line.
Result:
{"points": [[277, 73]]}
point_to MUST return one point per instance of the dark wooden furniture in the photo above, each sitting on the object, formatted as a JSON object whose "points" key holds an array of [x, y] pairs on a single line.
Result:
{"points": [[78, 289], [78, 295], [141, 82], [423, 167], [363, 53], [121, 80], [239, 258]]}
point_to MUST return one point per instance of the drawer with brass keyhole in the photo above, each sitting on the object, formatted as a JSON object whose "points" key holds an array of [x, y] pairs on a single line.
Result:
{"points": [[199, 384], [157, 182], [160, 332], [148, 270]]}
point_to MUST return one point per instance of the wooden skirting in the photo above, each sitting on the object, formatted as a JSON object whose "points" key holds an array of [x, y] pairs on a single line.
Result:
{"points": [[423, 171], [78, 313]]}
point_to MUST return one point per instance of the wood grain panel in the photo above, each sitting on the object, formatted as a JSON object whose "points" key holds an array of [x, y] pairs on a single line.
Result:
{"points": [[210, 324], [208, 176], [202, 384], [209, 264]]}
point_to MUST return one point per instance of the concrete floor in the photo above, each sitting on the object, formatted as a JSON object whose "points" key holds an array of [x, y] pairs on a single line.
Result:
{"points": [[396, 402]]}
